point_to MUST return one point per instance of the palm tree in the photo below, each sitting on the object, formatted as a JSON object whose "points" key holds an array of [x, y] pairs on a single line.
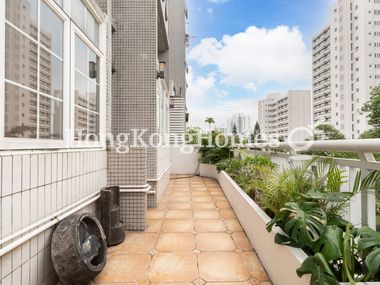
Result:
{"points": [[210, 121]]}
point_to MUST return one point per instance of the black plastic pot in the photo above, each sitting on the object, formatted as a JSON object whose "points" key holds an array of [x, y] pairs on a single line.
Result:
{"points": [[78, 249], [110, 215]]}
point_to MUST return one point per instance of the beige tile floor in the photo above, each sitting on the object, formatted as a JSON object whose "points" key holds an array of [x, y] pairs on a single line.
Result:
{"points": [[193, 237]]}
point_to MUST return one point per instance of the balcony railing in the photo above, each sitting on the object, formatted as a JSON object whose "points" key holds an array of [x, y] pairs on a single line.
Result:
{"points": [[362, 209]]}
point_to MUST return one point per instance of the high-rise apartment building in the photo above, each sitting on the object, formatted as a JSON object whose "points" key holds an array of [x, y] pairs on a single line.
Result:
{"points": [[322, 78], [265, 112], [282, 115], [355, 65], [241, 122]]}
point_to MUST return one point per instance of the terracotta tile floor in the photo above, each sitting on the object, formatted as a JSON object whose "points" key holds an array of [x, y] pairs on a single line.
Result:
{"points": [[193, 237]]}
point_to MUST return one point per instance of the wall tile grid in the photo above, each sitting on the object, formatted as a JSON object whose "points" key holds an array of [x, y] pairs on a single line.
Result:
{"points": [[134, 85], [37, 185], [133, 210], [125, 169]]}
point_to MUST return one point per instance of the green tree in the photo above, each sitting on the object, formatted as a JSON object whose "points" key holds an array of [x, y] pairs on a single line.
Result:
{"points": [[256, 133], [372, 108], [328, 132], [210, 121], [234, 130]]}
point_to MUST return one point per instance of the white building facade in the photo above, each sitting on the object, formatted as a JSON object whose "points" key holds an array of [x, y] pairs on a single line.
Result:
{"points": [[322, 77], [282, 115], [242, 122], [355, 65]]}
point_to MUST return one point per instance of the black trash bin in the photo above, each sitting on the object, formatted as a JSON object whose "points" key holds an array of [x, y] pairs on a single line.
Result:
{"points": [[110, 215], [78, 249]]}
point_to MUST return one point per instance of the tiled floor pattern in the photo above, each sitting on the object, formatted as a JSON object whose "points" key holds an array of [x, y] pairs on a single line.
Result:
{"points": [[193, 237]]}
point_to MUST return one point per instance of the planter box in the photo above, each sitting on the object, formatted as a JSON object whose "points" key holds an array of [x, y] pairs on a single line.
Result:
{"points": [[280, 262], [208, 170]]}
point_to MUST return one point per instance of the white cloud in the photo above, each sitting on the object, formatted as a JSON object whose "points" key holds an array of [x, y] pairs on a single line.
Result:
{"points": [[221, 93], [199, 86], [256, 56], [251, 86], [217, 1]]}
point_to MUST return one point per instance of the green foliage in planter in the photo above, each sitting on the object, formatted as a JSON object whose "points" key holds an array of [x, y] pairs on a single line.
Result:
{"points": [[304, 223], [211, 153], [338, 252], [249, 172], [369, 246]]}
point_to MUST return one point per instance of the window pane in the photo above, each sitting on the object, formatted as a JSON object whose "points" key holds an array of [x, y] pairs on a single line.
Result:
{"points": [[51, 74], [51, 30], [81, 62], [20, 117], [93, 65], [78, 13], [20, 58], [80, 131], [93, 127], [92, 29], [23, 14], [93, 96], [51, 118], [80, 90]]}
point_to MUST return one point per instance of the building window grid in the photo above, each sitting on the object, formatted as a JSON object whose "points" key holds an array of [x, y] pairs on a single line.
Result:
{"points": [[40, 47], [92, 109], [68, 121]]}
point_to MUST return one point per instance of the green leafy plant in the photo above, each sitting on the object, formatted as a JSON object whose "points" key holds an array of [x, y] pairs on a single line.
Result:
{"points": [[248, 173], [320, 270], [338, 251], [281, 187], [303, 223], [369, 246], [211, 153]]}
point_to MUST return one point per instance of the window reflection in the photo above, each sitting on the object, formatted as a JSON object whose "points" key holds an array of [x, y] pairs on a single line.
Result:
{"points": [[85, 21], [86, 91], [51, 124], [23, 14], [80, 90], [93, 96], [93, 66], [81, 57], [93, 125], [51, 35], [80, 124], [20, 58], [78, 13], [25, 109], [92, 29], [51, 74], [20, 112]]}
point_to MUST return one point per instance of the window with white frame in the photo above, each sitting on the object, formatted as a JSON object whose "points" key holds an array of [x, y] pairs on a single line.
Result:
{"points": [[85, 21], [33, 101], [47, 58], [86, 91]]}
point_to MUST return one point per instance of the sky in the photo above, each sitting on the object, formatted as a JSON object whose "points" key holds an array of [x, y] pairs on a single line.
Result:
{"points": [[241, 50]]}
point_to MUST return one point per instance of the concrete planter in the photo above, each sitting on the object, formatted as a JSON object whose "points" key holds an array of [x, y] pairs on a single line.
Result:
{"points": [[280, 262], [208, 170]]}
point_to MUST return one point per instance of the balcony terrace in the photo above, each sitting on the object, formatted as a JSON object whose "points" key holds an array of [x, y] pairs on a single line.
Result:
{"points": [[193, 237]]}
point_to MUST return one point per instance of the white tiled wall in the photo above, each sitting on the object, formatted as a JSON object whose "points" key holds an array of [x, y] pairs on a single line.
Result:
{"points": [[36, 185]]}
